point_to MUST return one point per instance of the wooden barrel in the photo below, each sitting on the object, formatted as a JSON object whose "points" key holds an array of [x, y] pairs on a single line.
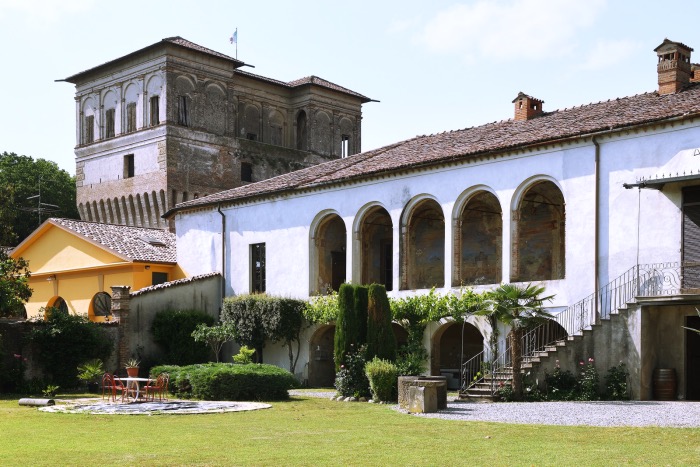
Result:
{"points": [[665, 384]]}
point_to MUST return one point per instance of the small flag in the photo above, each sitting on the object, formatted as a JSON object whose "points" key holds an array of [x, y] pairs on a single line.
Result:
{"points": [[234, 38]]}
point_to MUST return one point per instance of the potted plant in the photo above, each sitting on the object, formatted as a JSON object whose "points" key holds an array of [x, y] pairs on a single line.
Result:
{"points": [[132, 367], [91, 372]]}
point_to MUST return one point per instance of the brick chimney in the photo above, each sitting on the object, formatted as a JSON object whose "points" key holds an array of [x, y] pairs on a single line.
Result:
{"points": [[527, 107], [673, 67]]}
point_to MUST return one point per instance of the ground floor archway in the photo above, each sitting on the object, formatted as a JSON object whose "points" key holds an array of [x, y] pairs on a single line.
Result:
{"points": [[452, 344]]}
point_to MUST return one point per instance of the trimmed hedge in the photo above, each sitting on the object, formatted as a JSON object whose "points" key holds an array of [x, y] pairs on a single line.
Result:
{"points": [[228, 381], [172, 330], [383, 379]]}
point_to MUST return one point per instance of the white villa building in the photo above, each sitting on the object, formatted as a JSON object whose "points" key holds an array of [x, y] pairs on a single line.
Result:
{"points": [[599, 201]]}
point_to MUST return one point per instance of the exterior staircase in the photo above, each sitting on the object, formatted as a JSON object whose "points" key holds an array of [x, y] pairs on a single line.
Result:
{"points": [[482, 375]]}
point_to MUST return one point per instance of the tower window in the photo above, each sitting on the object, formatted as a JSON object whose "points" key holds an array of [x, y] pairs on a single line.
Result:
{"points": [[183, 117], [89, 129], [344, 146], [128, 166], [109, 123], [252, 136], [246, 172], [155, 110], [131, 117]]}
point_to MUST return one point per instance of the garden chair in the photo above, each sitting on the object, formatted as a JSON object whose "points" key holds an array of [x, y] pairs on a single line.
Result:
{"points": [[108, 386], [159, 386]]}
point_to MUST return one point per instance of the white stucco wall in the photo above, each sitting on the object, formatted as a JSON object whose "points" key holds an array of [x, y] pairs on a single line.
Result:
{"points": [[644, 224]]}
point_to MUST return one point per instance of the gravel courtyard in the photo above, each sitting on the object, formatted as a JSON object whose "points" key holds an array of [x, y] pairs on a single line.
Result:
{"points": [[598, 413]]}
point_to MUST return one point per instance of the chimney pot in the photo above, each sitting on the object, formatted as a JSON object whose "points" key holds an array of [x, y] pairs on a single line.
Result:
{"points": [[673, 67], [527, 107]]}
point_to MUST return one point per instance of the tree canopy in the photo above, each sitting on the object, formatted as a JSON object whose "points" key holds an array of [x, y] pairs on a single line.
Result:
{"points": [[14, 285], [22, 177]]}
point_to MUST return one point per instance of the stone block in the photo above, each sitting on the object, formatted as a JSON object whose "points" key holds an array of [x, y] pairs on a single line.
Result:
{"points": [[422, 399]]}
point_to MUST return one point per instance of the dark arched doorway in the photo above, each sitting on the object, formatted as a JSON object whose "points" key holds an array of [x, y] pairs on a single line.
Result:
{"points": [[453, 344], [321, 366]]}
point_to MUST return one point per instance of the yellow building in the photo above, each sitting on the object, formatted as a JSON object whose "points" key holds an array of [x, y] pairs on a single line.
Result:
{"points": [[74, 263]]}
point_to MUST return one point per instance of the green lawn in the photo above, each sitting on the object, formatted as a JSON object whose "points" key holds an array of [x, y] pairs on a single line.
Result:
{"points": [[307, 431]]}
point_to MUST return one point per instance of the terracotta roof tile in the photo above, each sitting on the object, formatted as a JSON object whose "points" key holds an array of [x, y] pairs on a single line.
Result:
{"points": [[465, 144], [315, 80], [166, 285], [134, 243]]}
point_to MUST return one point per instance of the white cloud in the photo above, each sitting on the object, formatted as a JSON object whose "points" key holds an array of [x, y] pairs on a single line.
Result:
{"points": [[45, 11], [607, 53], [506, 30]]}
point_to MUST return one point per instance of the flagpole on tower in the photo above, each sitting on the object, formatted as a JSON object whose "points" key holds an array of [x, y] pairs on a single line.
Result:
{"points": [[234, 40]]}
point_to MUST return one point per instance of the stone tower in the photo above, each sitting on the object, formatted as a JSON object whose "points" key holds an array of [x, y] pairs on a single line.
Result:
{"points": [[176, 121]]}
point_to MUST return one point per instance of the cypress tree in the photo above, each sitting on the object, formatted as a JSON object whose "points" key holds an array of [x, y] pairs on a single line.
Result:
{"points": [[381, 341], [361, 300], [346, 308]]}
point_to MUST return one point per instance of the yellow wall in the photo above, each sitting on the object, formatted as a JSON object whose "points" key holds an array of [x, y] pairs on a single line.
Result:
{"points": [[63, 264], [56, 250]]}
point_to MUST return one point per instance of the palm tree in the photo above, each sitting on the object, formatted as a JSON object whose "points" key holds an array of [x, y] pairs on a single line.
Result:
{"points": [[519, 307]]}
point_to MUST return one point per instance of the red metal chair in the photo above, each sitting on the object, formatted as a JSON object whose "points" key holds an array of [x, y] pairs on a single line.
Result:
{"points": [[159, 386]]}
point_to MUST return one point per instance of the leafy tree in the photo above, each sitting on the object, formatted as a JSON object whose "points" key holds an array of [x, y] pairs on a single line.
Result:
{"points": [[214, 336], [518, 307], [28, 177], [381, 341], [283, 321], [7, 216], [14, 284]]}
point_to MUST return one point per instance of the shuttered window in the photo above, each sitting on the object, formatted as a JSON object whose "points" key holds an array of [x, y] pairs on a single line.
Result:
{"points": [[691, 238]]}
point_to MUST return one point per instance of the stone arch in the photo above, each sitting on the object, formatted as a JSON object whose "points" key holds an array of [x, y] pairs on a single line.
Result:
{"points": [[89, 123], [215, 108], [132, 111], [422, 244], [275, 133], [302, 133], [321, 365], [328, 258], [478, 238], [154, 88], [118, 219], [538, 232], [375, 234], [250, 121], [323, 134], [452, 344]]}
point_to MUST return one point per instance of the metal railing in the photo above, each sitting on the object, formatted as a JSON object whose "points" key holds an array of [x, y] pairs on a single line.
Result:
{"points": [[644, 280]]}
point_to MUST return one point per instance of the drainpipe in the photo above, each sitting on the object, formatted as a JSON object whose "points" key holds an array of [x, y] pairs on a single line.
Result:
{"points": [[596, 241], [223, 253]]}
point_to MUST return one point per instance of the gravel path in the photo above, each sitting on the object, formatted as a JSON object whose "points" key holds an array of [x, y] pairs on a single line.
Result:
{"points": [[599, 413]]}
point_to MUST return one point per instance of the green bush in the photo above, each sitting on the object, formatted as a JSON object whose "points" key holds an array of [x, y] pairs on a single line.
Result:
{"points": [[65, 341], [229, 382], [616, 388], [244, 356], [172, 330], [383, 379], [351, 380]]}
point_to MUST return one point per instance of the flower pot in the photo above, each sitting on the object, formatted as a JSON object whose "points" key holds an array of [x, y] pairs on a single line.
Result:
{"points": [[132, 372]]}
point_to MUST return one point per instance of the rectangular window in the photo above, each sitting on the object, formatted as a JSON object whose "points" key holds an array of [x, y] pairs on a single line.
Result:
{"points": [[155, 110], [257, 263], [183, 117], [131, 117], [89, 129], [246, 172], [128, 166], [252, 136], [344, 146], [109, 123], [159, 278]]}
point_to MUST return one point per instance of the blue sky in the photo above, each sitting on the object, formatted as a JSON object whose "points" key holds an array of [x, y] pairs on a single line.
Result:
{"points": [[435, 66]]}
